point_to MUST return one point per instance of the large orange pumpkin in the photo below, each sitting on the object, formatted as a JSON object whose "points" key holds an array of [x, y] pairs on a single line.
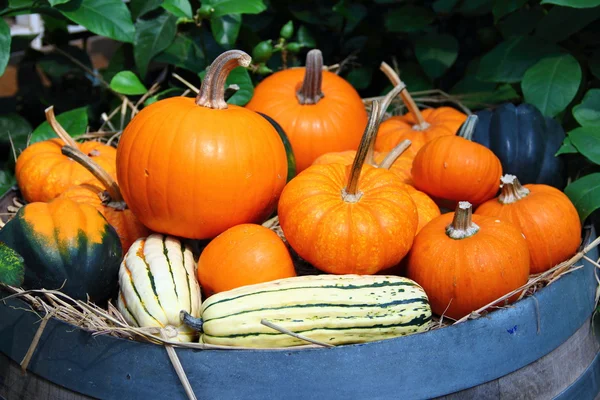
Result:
{"points": [[454, 168], [349, 219], [465, 261], [545, 215], [43, 172], [105, 198], [417, 126], [319, 110], [194, 168]]}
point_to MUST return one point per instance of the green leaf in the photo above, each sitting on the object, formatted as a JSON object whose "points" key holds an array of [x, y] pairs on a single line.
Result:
{"points": [[574, 3], [586, 140], [566, 148], [360, 78], [408, 18], [171, 92], [414, 77], [57, 2], [74, 121], [179, 8], [126, 82], [477, 8], [436, 53], [505, 7], [225, 29], [588, 112], [508, 61], [552, 83], [5, 40], [444, 6], [12, 265], [224, 7], [183, 53], [585, 194], [562, 22], [305, 38], [151, 37], [141, 7], [18, 128], [110, 18], [352, 12], [594, 63], [521, 22], [238, 76]]}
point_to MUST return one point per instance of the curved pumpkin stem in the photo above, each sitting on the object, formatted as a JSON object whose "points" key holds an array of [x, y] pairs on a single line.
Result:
{"points": [[468, 127], [212, 90], [393, 155], [310, 92], [512, 191], [406, 97], [85, 161], [58, 129], [194, 323], [462, 225], [350, 193]]}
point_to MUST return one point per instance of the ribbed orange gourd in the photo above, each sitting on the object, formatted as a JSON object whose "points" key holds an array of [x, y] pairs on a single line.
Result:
{"points": [[320, 111], [545, 215], [417, 126], [453, 168], [349, 219], [465, 261], [194, 168], [43, 172]]}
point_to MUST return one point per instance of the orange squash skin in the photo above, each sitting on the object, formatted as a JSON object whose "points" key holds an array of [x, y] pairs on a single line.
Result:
{"points": [[426, 207], [339, 237], [191, 171], [127, 226], [444, 121], [456, 169], [548, 220], [243, 255], [471, 272], [335, 123], [43, 173]]}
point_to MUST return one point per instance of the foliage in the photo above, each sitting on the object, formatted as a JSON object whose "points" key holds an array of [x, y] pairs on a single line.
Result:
{"points": [[545, 52]]}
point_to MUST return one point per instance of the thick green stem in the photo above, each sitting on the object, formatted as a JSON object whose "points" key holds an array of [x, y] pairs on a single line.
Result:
{"points": [[212, 90], [462, 225], [512, 191], [311, 92], [468, 127]]}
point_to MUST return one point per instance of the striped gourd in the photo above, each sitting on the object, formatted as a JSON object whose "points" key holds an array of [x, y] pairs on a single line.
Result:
{"points": [[333, 309], [157, 280]]}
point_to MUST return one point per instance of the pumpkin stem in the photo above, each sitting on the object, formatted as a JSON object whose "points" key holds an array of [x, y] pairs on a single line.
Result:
{"points": [[58, 129], [212, 90], [350, 193], [310, 91], [462, 225], [192, 322], [406, 97], [468, 127], [393, 155], [99, 173], [512, 190]]}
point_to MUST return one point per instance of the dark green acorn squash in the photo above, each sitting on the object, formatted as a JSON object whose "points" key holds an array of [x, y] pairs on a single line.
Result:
{"points": [[291, 159], [66, 242], [525, 142]]}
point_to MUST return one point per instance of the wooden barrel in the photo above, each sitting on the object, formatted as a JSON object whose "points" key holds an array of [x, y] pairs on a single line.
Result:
{"points": [[542, 347]]}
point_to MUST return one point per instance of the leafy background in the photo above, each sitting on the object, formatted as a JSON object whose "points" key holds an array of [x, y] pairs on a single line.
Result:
{"points": [[483, 52]]}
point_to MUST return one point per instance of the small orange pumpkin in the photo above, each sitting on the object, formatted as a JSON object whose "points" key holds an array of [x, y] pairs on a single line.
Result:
{"points": [[465, 261], [43, 172], [194, 168], [454, 168], [320, 111], [545, 215], [417, 126], [343, 226], [243, 255]]}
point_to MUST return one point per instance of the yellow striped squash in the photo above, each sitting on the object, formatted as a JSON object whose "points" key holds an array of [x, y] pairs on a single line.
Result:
{"points": [[157, 280], [334, 309]]}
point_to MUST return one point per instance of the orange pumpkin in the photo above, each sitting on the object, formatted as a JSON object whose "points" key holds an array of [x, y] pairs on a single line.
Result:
{"points": [[545, 215], [196, 168], [106, 199], [427, 210], [454, 168], [319, 110], [416, 126], [465, 261], [243, 255], [349, 219], [43, 172]]}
